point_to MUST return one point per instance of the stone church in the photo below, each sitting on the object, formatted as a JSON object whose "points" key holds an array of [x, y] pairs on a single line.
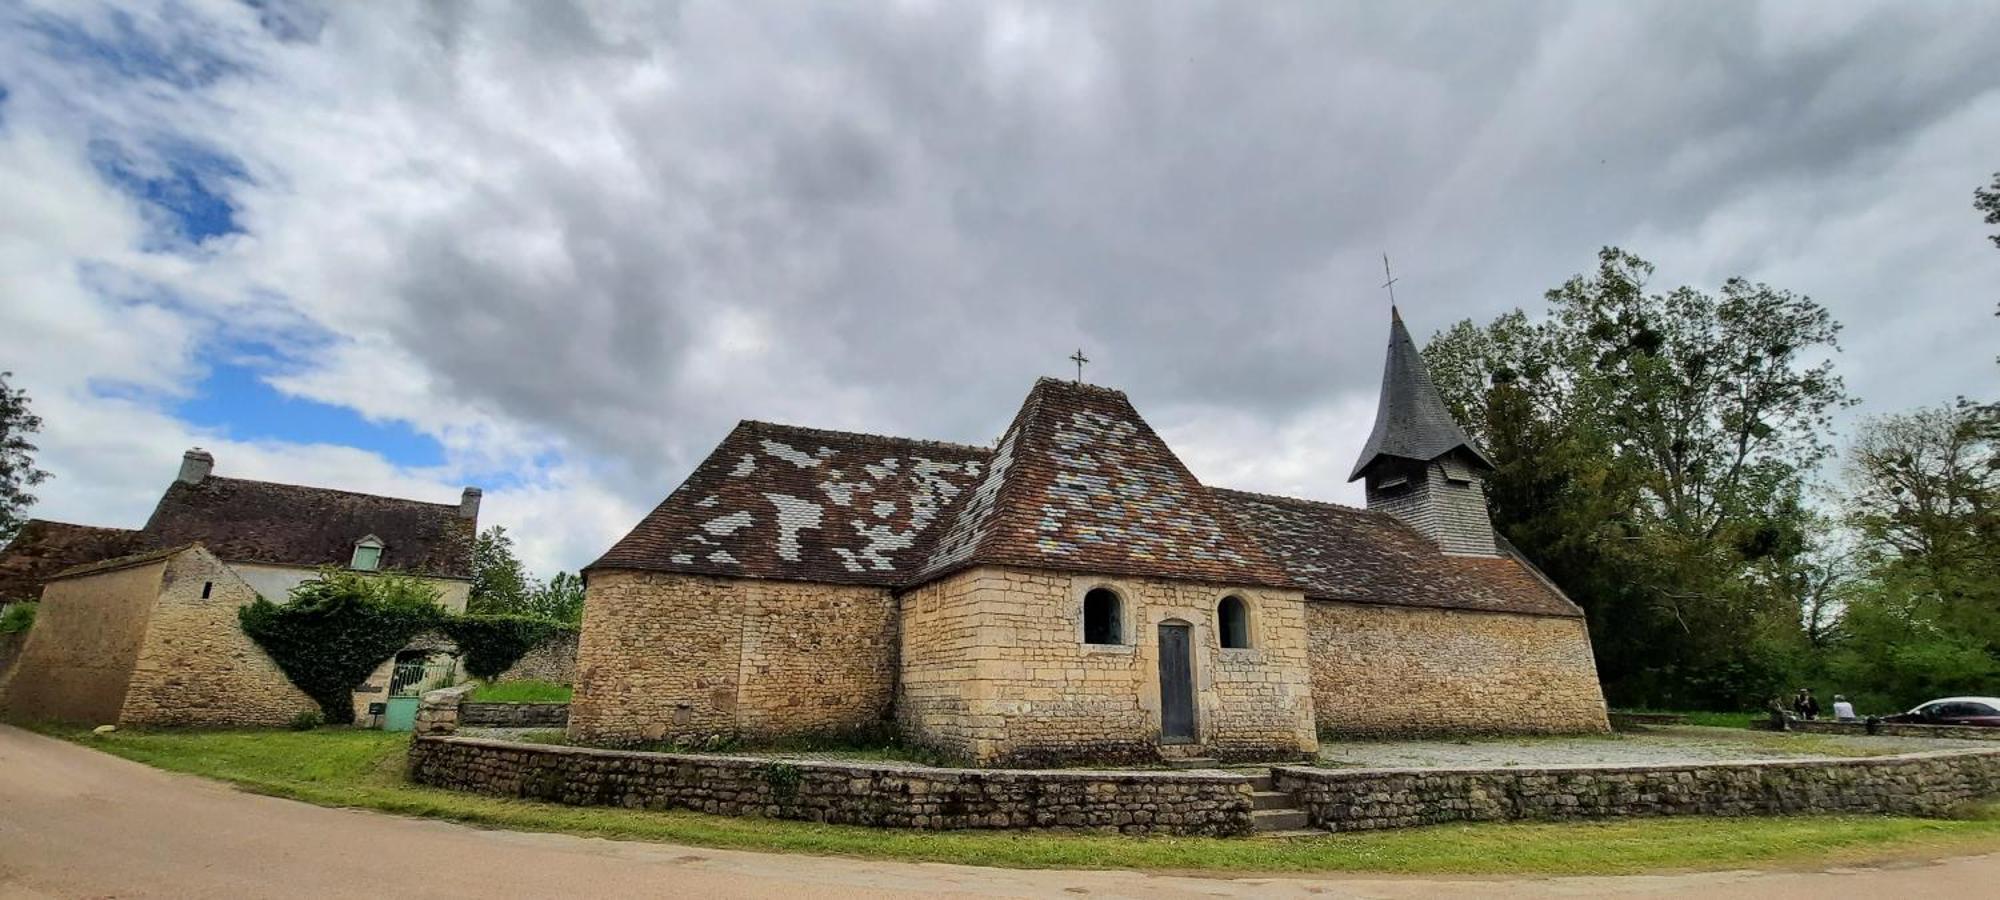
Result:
{"points": [[1073, 593]]}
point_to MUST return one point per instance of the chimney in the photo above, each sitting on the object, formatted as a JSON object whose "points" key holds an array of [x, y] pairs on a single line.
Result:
{"points": [[195, 465], [468, 504]]}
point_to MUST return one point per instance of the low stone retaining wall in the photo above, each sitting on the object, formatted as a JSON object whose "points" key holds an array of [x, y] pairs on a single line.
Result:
{"points": [[513, 715], [1621, 721], [846, 793], [1965, 732], [1923, 784]]}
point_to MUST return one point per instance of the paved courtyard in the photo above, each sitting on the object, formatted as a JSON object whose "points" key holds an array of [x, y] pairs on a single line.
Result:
{"points": [[1678, 744]]}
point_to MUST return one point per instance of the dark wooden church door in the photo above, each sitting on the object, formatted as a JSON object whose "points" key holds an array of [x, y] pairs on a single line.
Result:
{"points": [[1176, 686]]}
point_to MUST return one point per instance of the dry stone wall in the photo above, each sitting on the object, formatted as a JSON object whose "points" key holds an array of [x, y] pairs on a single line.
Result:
{"points": [[197, 667], [666, 656], [1894, 729], [1921, 784], [513, 715], [995, 670], [553, 660], [846, 793], [1384, 670]]}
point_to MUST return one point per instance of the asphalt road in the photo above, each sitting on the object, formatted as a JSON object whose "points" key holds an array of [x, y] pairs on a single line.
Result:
{"points": [[77, 823]]}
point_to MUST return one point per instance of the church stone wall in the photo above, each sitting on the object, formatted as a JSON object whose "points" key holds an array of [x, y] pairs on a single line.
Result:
{"points": [[1382, 670], [78, 659], [995, 670], [665, 657], [197, 667]]}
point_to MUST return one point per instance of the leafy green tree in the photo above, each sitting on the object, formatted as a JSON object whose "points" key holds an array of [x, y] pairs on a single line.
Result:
{"points": [[1923, 497], [17, 457], [1987, 200], [1650, 449], [560, 599], [499, 583]]}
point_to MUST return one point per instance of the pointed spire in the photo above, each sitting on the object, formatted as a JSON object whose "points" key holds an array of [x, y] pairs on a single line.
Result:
{"points": [[1411, 421]]}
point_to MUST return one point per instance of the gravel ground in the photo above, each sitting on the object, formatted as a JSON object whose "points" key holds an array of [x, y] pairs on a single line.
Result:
{"points": [[1678, 744]]}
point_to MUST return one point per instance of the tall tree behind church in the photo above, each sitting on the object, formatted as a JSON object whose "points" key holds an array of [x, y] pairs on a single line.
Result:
{"points": [[17, 457], [1651, 451], [499, 582]]}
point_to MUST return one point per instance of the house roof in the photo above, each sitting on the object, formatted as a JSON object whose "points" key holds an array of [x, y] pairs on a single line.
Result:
{"points": [[778, 501], [42, 548], [124, 561], [1080, 482], [1411, 421], [293, 525], [1337, 552]]}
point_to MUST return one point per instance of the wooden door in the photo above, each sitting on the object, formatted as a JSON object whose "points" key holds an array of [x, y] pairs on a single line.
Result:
{"points": [[1176, 686]]}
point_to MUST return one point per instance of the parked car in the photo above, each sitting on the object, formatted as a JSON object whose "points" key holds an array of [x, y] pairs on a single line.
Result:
{"points": [[1953, 711]]}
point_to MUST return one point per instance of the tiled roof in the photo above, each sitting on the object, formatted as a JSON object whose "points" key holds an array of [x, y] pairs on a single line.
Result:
{"points": [[1411, 421], [776, 501], [123, 562], [293, 525], [1080, 482], [1340, 553], [42, 548]]}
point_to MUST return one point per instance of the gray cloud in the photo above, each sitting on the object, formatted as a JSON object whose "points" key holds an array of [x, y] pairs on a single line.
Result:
{"points": [[617, 233]]}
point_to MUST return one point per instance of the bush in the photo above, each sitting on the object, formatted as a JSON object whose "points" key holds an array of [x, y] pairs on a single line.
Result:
{"points": [[492, 644], [338, 628], [17, 618], [308, 720]]}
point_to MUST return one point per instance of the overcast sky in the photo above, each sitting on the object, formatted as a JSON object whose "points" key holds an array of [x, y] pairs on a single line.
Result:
{"points": [[558, 250]]}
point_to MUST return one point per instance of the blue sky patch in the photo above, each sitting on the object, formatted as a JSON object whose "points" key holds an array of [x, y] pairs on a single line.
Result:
{"points": [[186, 184], [235, 400]]}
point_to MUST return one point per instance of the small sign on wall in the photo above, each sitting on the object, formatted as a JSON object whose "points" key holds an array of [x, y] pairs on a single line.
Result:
{"points": [[376, 709]]}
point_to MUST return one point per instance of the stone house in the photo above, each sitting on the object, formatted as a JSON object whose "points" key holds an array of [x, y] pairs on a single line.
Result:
{"points": [[1074, 593], [151, 636]]}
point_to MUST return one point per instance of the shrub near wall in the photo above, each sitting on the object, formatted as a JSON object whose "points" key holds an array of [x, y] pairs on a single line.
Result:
{"points": [[844, 793], [1921, 784]]}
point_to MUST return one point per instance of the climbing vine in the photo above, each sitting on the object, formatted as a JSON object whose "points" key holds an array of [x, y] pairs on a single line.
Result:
{"points": [[338, 628], [493, 643]]}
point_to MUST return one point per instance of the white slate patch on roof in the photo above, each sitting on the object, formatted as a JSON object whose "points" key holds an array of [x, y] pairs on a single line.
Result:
{"points": [[744, 467], [884, 508], [793, 455], [721, 556], [724, 526], [708, 502], [794, 514]]}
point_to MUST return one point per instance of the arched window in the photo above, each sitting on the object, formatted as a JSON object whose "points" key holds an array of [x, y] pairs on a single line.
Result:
{"points": [[1101, 618], [1232, 617]]}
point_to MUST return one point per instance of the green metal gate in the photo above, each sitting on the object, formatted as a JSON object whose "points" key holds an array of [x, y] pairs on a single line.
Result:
{"points": [[406, 690]]}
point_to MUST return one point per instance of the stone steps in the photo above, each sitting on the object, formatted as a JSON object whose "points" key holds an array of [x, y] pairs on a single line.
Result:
{"points": [[1193, 762], [1272, 800], [1265, 821], [1275, 813]]}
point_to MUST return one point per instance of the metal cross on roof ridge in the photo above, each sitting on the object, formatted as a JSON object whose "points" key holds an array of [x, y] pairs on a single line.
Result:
{"points": [[1390, 283], [1079, 359]]}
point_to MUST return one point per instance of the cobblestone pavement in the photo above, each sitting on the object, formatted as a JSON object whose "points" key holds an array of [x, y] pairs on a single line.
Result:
{"points": [[1678, 744]]}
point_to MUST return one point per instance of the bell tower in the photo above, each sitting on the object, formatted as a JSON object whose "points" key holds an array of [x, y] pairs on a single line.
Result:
{"points": [[1419, 464]]}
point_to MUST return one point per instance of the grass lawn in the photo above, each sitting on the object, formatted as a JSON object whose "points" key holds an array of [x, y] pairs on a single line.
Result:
{"points": [[364, 769], [521, 692]]}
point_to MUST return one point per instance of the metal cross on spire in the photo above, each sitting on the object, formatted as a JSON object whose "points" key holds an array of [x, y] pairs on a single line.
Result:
{"points": [[1079, 359], [1390, 283]]}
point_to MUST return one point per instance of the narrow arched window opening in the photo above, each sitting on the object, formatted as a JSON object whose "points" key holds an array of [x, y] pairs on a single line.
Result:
{"points": [[1233, 621], [1101, 618]]}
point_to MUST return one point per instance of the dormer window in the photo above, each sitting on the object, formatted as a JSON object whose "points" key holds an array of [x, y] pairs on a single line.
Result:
{"points": [[367, 554]]}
